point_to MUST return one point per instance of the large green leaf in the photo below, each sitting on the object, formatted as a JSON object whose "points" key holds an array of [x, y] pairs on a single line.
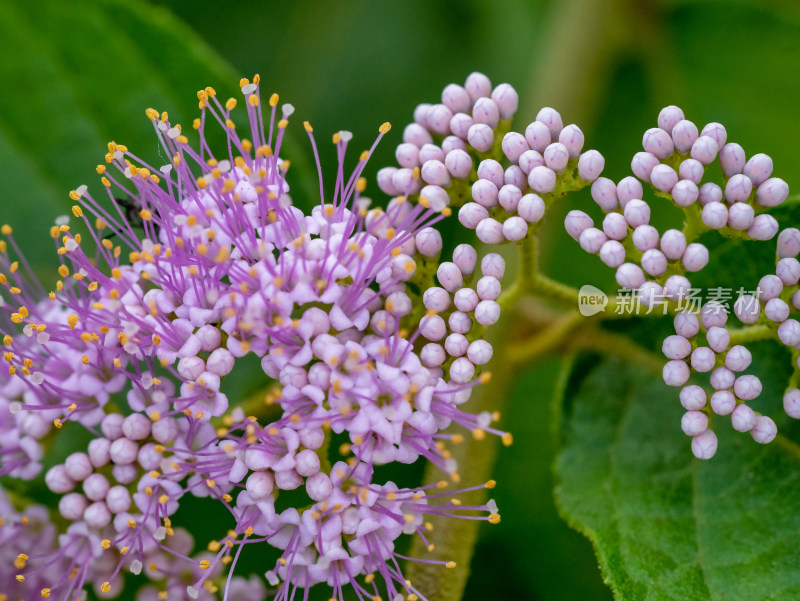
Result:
{"points": [[666, 525], [79, 74]]}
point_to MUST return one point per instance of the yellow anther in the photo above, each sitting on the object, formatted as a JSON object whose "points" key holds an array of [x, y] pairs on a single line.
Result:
{"points": [[230, 104], [450, 564], [77, 211], [273, 100], [385, 127], [152, 114]]}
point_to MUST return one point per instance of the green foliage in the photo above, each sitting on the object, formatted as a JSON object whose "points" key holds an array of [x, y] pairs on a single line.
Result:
{"points": [[666, 525]]}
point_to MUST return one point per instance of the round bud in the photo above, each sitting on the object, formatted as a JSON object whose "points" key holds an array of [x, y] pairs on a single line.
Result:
{"points": [[434, 172], [772, 192], [488, 288], [509, 197], [694, 423], [494, 265], [703, 359], [713, 314], [137, 426], [542, 180], [123, 451], [97, 515], [686, 324], [693, 397], [456, 98], [765, 430], [466, 299], [462, 371], [654, 262], [531, 208], [758, 168], [764, 227], [722, 378], [691, 170], [743, 419], [740, 216], [460, 124], [612, 253], [629, 188], [385, 179], [695, 257], [432, 327], [458, 163], [718, 339], [429, 244], [480, 137], [111, 425], [663, 177], [72, 506], [490, 231], [407, 155], [629, 276], [788, 270], [479, 352], [791, 403], [319, 486], [506, 99], [471, 214], [58, 481], [789, 332], [637, 212], [307, 462], [604, 193], [675, 373], [465, 257], [747, 387], [98, 451], [485, 111], [658, 142], [747, 309], [704, 445], [769, 287], [96, 487], [478, 85], [432, 355], [538, 136], [677, 288], [590, 165], [738, 188], [438, 119], [676, 347], [642, 165], [669, 117], [552, 119], [709, 192], [715, 215], [615, 226], [436, 299], [165, 430], [456, 345], [776, 310], [685, 193], [530, 159], [704, 149], [738, 359], [449, 276], [78, 466], [484, 192], [684, 135], [645, 237], [556, 157], [576, 222], [715, 131], [673, 244], [487, 312], [789, 243], [731, 159], [514, 144], [723, 402], [592, 240], [118, 499]]}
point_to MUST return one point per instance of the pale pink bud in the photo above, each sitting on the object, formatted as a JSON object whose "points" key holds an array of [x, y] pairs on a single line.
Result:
{"points": [[136, 426], [556, 157], [642, 165], [715, 215], [772, 192], [434, 172], [516, 177], [789, 332], [704, 150], [58, 481], [490, 231], [72, 506], [686, 324], [695, 257], [732, 159], [592, 239], [669, 117], [704, 445], [456, 98], [572, 138], [703, 359], [722, 378], [612, 253], [629, 276], [479, 352], [514, 145], [97, 515], [791, 403], [487, 312], [776, 310], [637, 212], [436, 299], [718, 339], [758, 168], [743, 418], [765, 430], [478, 85], [438, 119], [738, 359], [407, 155], [542, 180], [684, 135], [676, 347], [789, 243], [747, 309], [493, 265], [462, 370], [456, 345], [738, 188], [654, 262], [723, 402], [530, 159], [465, 257], [471, 214], [466, 299], [715, 131], [693, 397], [485, 111], [531, 208], [432, 355], [481, 137], [788, 270], [675, 373], [604, 193], [98, 451], [515, 228], [552, 119], [709, 192], [414, 133], [112, 425], [460, 124], [506, 99], [459, 322], [713, 314], [96, 487], [691, 170], [508, 197], [694, 423], [645, 237], [629, 188], [78, 466], [673, 244], [685, 193], [537, 134], [676, 288], [658, 142], [123, 451], [615, 226]]}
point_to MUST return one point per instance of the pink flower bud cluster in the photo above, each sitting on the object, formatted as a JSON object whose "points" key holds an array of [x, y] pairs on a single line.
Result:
{"points": [[228, 267]]}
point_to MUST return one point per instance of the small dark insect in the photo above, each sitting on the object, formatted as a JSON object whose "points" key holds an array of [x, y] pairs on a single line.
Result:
{"points": [[132, 211]]}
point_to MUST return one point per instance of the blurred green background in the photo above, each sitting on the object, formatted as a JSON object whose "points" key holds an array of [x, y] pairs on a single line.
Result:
{"points": [[77, 75]]}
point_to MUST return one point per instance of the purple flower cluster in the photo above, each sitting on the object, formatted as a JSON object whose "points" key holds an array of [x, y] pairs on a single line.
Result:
{"points": [[138, 335]]}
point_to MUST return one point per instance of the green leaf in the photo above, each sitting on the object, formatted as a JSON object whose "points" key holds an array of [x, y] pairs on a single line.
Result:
{"points": [[80, 74], [666, 525]]}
